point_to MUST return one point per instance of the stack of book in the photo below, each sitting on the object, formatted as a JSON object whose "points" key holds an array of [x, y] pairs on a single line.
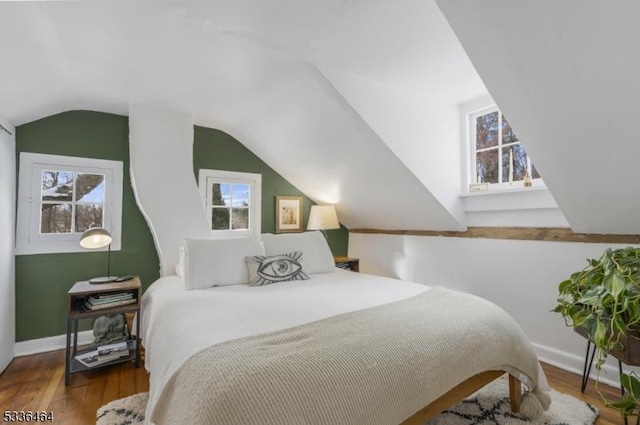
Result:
{"points": [[343, 265], [104, 354], [115, 299]]}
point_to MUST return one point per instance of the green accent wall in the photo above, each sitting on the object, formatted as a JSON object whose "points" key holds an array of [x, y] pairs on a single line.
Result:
{"points": [[217, 150], [42, 281]]}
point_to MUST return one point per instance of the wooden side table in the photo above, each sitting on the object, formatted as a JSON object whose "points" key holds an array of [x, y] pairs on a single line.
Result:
{"points": [[77, 310], [347, 263]]}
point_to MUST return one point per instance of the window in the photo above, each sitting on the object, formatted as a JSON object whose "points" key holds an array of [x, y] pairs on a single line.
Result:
{"points": [[232, 201], [60, 197], [497, 156]]}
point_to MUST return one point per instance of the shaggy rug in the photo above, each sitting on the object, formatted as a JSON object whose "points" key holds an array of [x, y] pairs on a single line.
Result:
{"points": [[489, 406], [125, 411]]}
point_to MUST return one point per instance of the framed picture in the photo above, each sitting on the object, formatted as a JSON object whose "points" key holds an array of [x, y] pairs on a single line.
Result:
{"points": [[288, 214]]}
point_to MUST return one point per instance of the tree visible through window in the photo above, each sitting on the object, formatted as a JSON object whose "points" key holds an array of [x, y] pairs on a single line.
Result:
{"points": [[499, 155], [232, 201], [230, 206], [59, 197], [71, 202]]}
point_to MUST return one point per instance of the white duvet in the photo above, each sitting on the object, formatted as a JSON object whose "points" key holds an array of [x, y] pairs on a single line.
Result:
{"points": [[177, 323]]}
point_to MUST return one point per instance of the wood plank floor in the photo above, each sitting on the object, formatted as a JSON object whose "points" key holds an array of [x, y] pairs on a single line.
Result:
{"points": [[37, 383]]}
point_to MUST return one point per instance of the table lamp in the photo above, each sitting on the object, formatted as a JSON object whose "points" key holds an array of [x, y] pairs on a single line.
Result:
{"points": [[323, 217], [96, 238]]}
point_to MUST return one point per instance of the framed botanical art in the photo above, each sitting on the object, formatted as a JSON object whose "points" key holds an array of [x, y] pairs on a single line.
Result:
{"points": [[288, 214]]}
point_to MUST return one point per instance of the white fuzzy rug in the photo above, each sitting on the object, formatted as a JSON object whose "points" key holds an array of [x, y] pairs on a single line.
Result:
{"points": [[490, 406], [125, 411]]}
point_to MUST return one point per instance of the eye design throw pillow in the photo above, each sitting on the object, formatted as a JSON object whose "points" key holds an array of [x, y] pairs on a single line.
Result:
{"points": [[277, 268]]}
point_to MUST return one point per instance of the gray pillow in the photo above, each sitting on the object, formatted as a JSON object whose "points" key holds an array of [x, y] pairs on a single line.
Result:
{"points": [[264, 270]]}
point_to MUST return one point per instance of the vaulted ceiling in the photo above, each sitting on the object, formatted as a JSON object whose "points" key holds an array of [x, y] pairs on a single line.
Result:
{"points": [[356, 102]]}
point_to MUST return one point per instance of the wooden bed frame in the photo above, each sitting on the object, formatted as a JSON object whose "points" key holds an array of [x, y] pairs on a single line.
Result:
{"points": [[463, 390]]}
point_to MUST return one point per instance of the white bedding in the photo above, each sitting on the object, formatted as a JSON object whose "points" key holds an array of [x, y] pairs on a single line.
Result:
{"points": [[223, 313]]}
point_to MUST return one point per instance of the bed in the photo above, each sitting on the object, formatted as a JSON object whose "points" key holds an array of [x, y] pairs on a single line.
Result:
{"points": [[338, 347]]}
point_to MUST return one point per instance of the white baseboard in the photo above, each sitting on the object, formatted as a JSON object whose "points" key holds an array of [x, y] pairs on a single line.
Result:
{"points": [[52, 343], [571, 363]]}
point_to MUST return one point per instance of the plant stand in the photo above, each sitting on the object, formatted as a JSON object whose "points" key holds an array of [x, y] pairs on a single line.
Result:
{"points": [[629, 355], [588, 362]]}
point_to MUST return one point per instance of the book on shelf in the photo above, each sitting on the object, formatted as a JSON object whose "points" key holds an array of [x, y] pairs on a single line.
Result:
{"points": [[93, 358], [113, 351], [104, 299], [89, 306]]}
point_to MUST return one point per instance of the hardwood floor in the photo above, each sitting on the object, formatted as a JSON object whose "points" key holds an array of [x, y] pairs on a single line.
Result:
{"points": [[36, 383], [569, 383]]}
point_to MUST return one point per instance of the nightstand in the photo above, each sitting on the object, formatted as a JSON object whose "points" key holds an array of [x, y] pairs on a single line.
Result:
{"points": [[79, 309], [347, 263]]}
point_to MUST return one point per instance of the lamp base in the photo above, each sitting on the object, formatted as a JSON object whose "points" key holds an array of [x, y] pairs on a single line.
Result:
{"points": [[103, 279]]}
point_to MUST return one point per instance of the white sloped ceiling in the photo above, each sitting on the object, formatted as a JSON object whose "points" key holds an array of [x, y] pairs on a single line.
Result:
{"points": [[296, 82], [565, 74], [401, 67]]}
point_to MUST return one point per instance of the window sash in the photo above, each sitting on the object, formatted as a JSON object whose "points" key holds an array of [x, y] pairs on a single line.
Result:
{"points": [[500, 147], [206, 180], [29, 240], [37, 202]]}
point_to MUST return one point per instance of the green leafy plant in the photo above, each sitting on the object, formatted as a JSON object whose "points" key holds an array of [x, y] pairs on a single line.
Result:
{"points": [[604, 300]]}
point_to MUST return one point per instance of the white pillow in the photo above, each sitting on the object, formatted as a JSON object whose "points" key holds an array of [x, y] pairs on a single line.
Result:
{"points": [[316, 255], [180, 265], [218, 262]]}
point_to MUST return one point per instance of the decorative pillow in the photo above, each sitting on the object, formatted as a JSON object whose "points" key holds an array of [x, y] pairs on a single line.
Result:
{"points": [[218, 262], [317, 255], [278, 268]]}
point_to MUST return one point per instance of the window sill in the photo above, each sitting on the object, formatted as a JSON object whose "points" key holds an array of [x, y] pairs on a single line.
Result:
{"points": [[61, 247], [505, 191], [517, 207], [518, 198]]}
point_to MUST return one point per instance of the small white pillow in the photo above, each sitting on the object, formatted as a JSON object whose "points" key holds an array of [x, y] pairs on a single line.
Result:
{"points": [[180, 265], [317, 256], [218, 262]]}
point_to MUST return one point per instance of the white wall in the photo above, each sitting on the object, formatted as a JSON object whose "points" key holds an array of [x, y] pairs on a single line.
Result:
{"points": [[420, 129], [161, 149], [522, 277], [337, 158], [7, 232], [563, 76], [532, 207]]}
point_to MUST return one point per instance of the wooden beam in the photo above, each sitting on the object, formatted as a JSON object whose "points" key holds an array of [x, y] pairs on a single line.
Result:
{"points": [[547, 234]]}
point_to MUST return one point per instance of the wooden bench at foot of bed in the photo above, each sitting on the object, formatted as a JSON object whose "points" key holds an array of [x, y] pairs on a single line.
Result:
{"points": [[463, 390]]}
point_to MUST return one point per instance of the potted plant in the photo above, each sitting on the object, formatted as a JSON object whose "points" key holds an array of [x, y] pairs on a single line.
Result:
{"points": [[602, 302]]}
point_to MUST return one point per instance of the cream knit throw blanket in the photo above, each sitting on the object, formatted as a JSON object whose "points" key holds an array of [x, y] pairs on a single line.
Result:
{"points": [[374, 366]]}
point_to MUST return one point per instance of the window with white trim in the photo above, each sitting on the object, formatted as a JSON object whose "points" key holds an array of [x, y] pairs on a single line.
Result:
{"points": [[232, 201], [59, 197], [496, 154]]}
